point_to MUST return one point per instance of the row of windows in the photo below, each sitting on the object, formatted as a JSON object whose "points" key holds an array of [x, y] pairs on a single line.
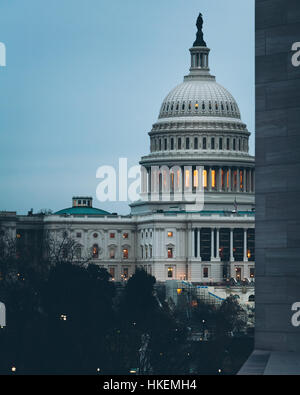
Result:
{"points": [[170, 107], [228, 179], [213, 143], [112, 252], [112, 235]]}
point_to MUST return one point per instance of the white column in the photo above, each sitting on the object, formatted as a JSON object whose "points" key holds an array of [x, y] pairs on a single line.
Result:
{"points": [[238, 180], [209, 179], [192, 233], [229, 179], [212, 257], [199, 244], [220, 180], [218, 245], [231, 246], [245, 246]]}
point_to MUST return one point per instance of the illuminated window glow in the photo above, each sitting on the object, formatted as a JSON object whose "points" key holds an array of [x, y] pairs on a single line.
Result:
{"points": [[196, 180], [187, 178], [213, 178], [205, 178]]}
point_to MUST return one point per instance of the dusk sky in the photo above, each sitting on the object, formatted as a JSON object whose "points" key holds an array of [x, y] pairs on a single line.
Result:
{"points": [[85, 80]]}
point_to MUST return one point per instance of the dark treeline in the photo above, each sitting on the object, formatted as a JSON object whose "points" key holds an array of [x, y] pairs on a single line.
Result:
{"points": [[70, 318]]}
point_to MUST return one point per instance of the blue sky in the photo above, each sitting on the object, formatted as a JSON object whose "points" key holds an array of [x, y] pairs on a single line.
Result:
{"points": [[84, 82]]}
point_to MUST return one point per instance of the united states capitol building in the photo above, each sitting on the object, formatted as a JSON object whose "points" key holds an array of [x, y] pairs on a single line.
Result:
{"points": [[198, 143]]}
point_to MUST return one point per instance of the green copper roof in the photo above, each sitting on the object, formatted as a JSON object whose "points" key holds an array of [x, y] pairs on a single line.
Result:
{"points": [[82, 211]]}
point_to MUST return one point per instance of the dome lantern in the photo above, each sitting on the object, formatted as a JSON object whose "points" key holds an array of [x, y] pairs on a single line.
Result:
{"points": [[199, 53]]}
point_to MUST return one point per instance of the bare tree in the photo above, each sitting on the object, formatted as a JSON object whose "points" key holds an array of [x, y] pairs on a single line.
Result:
{"points": [[60, 247]]}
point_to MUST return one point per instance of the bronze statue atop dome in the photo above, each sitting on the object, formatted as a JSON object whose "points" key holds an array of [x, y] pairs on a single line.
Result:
{"points": [[199, 37]]}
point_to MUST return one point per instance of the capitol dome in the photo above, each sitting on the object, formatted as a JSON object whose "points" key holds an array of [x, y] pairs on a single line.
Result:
{"points": [[199, 98]]}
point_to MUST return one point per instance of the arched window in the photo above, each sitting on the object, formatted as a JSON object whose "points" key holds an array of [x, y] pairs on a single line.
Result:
{"points": [[234, 145], [212, 143], [78, 252], [228, 144], [251, 298], [187, 143], [196, 143], [220, 143], [112, 253], [95, 251], [204, 142], [172, 143], [179, 142], [203, 106], [125, 253]]}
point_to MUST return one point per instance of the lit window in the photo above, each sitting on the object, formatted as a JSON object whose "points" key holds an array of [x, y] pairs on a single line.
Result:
{"points": [[170, 234], [125, 253], [213, 178], [112, 253], [170, 272], [125, 235], [196, 180], [196, 106], [111, 235], [187, 178], [249, 254], [18, 236], [112, 272], [125, 272], [205, 272], [241, 180], [252, 273], [170, 253], [205, 178], [95, 251], [238, 273]]}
